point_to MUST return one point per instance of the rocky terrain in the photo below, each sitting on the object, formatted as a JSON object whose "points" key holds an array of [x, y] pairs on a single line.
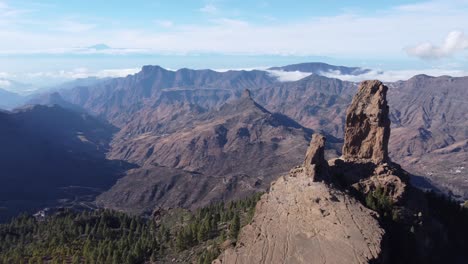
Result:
{"points": [[304, 221], [119, 98], [193, 124], [430, 129], [217, 155], [314, 214]]}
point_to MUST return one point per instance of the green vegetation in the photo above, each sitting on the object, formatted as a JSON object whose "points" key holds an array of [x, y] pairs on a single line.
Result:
{"points": [[105, 236], [379, 201]]}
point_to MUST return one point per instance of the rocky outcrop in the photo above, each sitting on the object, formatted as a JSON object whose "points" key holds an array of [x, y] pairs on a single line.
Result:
{"points": [[302, 221], [367, 128], [315, 163], [391, 177], [246, 94], [365, 165]]}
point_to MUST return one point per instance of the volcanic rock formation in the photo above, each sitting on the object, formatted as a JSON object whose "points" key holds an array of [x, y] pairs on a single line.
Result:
{"points": [[315, 163], [365, 165], [367, 127], [302, 220]]}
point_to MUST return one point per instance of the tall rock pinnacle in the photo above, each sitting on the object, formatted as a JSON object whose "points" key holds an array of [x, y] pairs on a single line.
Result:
{"points": [[315, 164], [246, 94], [367, 128]]}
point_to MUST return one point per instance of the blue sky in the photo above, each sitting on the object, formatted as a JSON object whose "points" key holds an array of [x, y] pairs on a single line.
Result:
{"points": [[46, 41]]}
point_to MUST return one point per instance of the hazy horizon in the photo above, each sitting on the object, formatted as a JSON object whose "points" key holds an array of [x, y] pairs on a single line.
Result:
{"points": [[52, 41]]}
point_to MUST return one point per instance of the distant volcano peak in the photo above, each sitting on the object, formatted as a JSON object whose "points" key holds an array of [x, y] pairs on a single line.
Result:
{"points": [[100, 46]]}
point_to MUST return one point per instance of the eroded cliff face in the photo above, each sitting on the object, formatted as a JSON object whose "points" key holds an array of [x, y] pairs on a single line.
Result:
{"points": [[305, 219]]}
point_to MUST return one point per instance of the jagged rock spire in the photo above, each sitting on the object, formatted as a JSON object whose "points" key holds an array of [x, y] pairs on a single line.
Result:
{"points": [[367, 128], [315, 164]]}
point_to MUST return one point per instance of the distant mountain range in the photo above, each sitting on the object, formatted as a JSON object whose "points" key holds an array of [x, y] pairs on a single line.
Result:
{"points": [[9, 100], [320, 68], [197, 136]]}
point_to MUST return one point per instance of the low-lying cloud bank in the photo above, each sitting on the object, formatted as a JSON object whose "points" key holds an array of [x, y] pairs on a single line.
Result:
{"points": [[34, 81], [290, 76], [392, 76], [385, 76]]}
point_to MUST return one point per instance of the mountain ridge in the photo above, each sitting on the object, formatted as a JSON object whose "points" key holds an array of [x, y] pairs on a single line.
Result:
{"points": [[145, 102]]}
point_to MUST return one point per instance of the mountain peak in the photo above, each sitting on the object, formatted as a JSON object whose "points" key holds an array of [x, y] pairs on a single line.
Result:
{"points": [[152, 68]]}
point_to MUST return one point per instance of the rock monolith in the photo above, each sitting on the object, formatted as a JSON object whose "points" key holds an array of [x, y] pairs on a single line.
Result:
{"points": [[367, 128]]}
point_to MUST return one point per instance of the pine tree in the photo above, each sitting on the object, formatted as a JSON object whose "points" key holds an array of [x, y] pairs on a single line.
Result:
{"points": [[76, 259], [234, 227]]}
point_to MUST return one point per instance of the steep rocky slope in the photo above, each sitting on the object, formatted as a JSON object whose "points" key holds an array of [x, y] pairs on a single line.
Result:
{"points": [[430, 130], [187, 141]]}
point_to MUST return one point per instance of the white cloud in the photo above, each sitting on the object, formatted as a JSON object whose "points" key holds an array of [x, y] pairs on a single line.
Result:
{"points": [[395, 75], [116, 72], [341, 35], [285, 76], [382, 34], [82, 73], [4, 83], [454, 42], [209, 9]]}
